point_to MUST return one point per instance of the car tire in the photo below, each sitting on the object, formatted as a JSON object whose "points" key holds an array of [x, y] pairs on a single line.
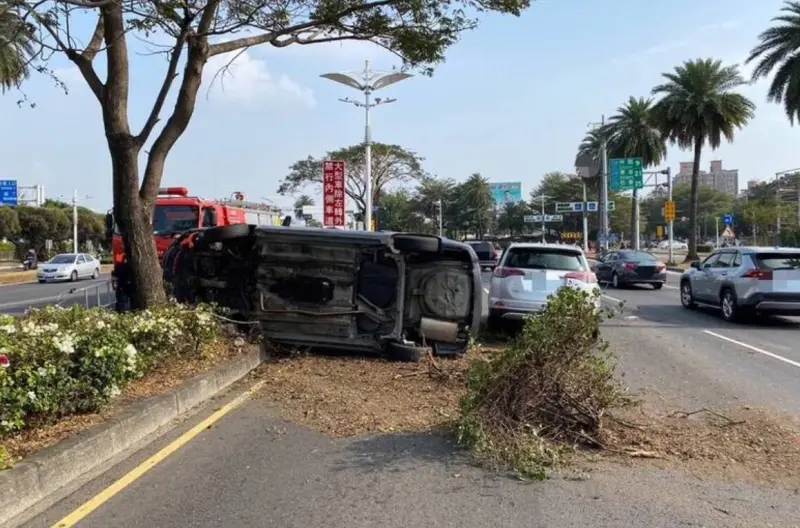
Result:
{"points": [[96, 273], [615, 280], [658, 285], [42, 281], [730, 306], [73, 276], [416, 244], [405, 353], [687, 298], [225, 233]]}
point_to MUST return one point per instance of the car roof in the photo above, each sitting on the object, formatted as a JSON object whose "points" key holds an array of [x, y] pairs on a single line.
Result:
{"points": [[538, 245], [758, 249]]}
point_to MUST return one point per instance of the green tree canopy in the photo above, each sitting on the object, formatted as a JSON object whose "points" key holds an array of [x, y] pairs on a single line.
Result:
{"points": [[779, 51], [699, 106]]}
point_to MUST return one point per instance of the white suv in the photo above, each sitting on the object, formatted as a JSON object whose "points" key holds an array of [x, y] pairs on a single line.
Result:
{"points": [[528, 274]]}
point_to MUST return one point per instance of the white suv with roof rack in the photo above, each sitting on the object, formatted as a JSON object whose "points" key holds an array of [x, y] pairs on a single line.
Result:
{"points": [[528, 274]]}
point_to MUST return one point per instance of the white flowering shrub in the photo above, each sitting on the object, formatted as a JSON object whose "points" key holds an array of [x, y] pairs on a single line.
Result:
{"points": [[55, 362]]}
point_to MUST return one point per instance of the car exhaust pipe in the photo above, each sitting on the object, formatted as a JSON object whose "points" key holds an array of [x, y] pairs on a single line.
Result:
{"points": [[436, 330]]}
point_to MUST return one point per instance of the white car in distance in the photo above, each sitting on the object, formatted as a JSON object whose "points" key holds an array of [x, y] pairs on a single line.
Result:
{"points": [[528, 274], [69, 267]]}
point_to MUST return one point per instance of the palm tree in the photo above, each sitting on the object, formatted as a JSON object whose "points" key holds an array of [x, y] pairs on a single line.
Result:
{"points": [[779, 50], [633, 134], [698, 106], [303, 200], [16, 49]]}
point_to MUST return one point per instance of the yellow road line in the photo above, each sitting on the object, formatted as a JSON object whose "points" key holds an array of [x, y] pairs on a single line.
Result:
{"points": [[98, 500]]}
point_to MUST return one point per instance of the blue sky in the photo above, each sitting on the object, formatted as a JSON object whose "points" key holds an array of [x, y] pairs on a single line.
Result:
{"points": [[512, 102]]}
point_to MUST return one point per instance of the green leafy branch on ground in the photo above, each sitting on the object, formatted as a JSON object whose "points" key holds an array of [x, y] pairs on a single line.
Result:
{"points": [[527, 407]]}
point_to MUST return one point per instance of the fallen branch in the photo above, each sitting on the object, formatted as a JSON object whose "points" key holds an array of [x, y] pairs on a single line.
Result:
{"points": [[730, 421]]}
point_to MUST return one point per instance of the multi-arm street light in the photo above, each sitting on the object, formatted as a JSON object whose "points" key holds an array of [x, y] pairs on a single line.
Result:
{"points": [[367, 81]]}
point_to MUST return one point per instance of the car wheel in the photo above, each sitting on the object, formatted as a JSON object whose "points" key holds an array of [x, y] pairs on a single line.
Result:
{"points": [[406, 353], [42, 281], [74, 276], [615, 280], [658, 285], [687, 299], [96, 273], [729, 305]]}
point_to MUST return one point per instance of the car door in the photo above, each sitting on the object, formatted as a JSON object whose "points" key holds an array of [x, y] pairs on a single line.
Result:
{"points": [[719, 273], [91, 264], [702, 276], [605, 265]]}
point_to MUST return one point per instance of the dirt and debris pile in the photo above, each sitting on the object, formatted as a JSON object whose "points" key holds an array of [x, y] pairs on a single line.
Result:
{"points": [[545, 393]]}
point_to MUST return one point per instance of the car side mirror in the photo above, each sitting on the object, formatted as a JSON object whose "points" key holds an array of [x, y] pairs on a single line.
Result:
{"points": [[695, 264]]}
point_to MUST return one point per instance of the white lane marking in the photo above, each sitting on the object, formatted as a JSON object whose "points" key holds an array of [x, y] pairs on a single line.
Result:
{"points": [[754, 349], [29, 301], [610, 298], [631, 317], [486, 290], [667, 286]]}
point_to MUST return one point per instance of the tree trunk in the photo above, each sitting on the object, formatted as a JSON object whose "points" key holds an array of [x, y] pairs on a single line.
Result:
{"points": [[698, 148], [135, 223]]}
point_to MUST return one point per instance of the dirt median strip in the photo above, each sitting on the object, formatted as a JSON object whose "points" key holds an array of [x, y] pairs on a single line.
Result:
{"points": [[49, 475], [25, 277]]}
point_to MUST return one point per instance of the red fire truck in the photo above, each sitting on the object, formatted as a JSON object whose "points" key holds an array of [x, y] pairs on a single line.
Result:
{"points": [[177, 212]]}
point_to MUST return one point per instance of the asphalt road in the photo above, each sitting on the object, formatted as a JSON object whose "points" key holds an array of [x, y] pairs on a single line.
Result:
{"points": [[253, 469], [16, 298]]}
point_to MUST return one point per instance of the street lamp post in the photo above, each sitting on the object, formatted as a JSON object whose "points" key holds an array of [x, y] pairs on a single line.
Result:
{"points": [[603, 180], [75, 218], [439, 204], [367, 82], [542, 198]]}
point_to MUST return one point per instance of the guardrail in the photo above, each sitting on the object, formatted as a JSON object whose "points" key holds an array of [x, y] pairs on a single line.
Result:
{"points": [[93, 292]]}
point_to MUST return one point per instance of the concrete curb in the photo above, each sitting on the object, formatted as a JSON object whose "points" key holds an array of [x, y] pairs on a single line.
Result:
{"points": [[48, 474]]}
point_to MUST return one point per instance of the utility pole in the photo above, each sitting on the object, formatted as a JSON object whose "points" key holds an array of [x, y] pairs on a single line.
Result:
{"points": [[74, 202], [585, 220], [635, 214], [439, 203], [670, 239], [367, 81], [716, 227], [544, 226], [604, 183]]}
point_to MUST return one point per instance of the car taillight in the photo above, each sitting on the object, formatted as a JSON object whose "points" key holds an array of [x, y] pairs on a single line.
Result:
{"points": [[759, 274], [662, 267], [587, 276], [502, 273], [629, 266]]}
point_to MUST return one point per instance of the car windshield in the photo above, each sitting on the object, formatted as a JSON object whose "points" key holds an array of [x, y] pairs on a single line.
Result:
{"points": [[779, 261], [637, 256], [546, 259], [67, 258], [169, 219]]}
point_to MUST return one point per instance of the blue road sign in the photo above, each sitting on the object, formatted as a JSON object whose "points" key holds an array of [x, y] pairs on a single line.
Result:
{"points": [[8, 192], [613, 238], [728, 219], [601, 237], [591, 207]]}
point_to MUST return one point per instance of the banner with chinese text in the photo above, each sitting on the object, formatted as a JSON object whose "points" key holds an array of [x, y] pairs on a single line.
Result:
{"points": [[333, 193]]}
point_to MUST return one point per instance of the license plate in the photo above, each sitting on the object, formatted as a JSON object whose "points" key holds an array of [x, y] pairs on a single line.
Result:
{"points": [[786, 281], [536, 282]]}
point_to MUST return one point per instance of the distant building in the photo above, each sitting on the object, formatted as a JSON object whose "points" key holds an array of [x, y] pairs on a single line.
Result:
{"points": [[722, 180]]}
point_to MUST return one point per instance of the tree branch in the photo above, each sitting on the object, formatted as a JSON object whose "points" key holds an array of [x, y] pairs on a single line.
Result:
{"points": [[166, 85], [184, 105], [272, 36], [88, 4], [96, 41]]}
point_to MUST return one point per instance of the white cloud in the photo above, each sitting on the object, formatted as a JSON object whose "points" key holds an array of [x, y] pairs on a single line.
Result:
{"points": [[240, 77]]}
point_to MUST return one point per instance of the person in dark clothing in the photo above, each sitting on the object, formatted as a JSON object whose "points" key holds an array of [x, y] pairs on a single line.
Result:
{"points": [[124, 290]]}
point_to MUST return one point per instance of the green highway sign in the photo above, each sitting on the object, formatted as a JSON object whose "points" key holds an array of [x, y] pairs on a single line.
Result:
{"points": [[626, 174]]}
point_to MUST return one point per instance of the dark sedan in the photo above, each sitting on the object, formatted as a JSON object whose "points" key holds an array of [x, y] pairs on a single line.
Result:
{"points": [[486, 252], [631, 267]]}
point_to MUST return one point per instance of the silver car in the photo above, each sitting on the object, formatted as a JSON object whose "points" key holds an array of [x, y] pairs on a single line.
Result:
{"points": [[745, 281], [69, 267], [528, 274]]}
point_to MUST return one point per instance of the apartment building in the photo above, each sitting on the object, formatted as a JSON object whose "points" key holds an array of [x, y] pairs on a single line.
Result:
{"points": [[723, 180]]}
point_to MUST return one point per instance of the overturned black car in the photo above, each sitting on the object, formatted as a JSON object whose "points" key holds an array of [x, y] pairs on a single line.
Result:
{"points": [[399, 294]]}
